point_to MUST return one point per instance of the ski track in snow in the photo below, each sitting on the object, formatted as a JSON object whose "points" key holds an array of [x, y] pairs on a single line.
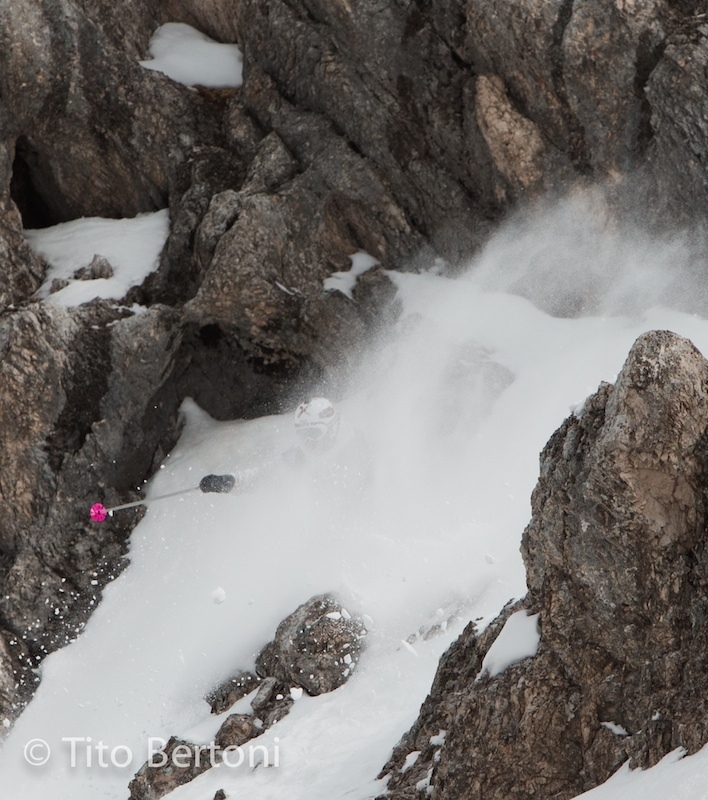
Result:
{"points": [[455, 406]]}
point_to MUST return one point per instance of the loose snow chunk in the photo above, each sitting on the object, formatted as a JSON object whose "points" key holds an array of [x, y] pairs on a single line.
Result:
{"points": [[131, 246], [218, 595], [190, 57], [618, 730], [519, 638], [335, 615], [345, 282]]}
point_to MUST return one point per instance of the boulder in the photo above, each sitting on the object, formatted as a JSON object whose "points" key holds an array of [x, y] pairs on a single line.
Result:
{"points": [[317, 647], [232, 689], [183, 761], [237, 730]]}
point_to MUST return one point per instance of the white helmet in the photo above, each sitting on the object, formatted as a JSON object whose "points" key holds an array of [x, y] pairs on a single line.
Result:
{"points": [[317, 422]]}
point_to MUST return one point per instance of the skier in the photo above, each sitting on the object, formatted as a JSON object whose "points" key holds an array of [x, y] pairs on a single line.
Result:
{"points": [[329, 452], [328, 449]]}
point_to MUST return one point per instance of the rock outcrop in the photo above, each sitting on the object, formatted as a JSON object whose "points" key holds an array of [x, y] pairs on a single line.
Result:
{"points": [[617, 568], [315, 649]]}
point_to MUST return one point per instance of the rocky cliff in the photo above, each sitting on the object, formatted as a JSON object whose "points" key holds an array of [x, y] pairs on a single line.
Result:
{"points": [[616, 566], [405, 129]]}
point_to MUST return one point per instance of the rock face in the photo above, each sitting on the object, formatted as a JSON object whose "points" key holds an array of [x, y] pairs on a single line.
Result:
{"points": [[617, 567]]}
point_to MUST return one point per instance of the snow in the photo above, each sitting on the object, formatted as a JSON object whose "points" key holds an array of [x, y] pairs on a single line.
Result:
{"points": [[518, 639], [190, 57], [618, 730], [131, 246], [410, 760], [345, 282], [439, 739], [455, 405], [218, 595], [673, 777]]}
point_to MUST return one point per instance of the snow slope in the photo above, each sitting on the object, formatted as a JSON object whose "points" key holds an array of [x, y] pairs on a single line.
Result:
{"points": [[455, 405]]}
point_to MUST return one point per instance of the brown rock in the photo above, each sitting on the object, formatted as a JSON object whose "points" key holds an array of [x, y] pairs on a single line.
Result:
{"points": [[616, 568], [184, 761], [316, 647], [17, 681], [236, 731], [232, 689], [98, 268]]}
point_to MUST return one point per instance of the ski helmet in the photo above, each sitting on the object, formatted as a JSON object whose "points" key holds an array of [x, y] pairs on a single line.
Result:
{"points": [[317, 422]]}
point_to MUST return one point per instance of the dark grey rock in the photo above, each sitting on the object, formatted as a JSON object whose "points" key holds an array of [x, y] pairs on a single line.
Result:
{"points": [[98, 268], [266, 694], [317, 647], [232, 689], [17, 680], [155, 780], [237, 730]]}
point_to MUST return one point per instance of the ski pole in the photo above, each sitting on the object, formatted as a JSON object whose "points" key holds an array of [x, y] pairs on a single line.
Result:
{"points": [[99, 512]]}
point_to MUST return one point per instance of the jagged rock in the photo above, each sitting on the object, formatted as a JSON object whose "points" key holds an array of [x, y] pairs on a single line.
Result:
{"points": [[84, 434], [232, 689], [285, 244], [266, 694], [316, 647], [58, 284], [281, 708], [617, 567], [155, 780], [675, 121], [22, 270], [17, 681], [271, 167], [237, 730], [98, 268], [272, 702]]}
